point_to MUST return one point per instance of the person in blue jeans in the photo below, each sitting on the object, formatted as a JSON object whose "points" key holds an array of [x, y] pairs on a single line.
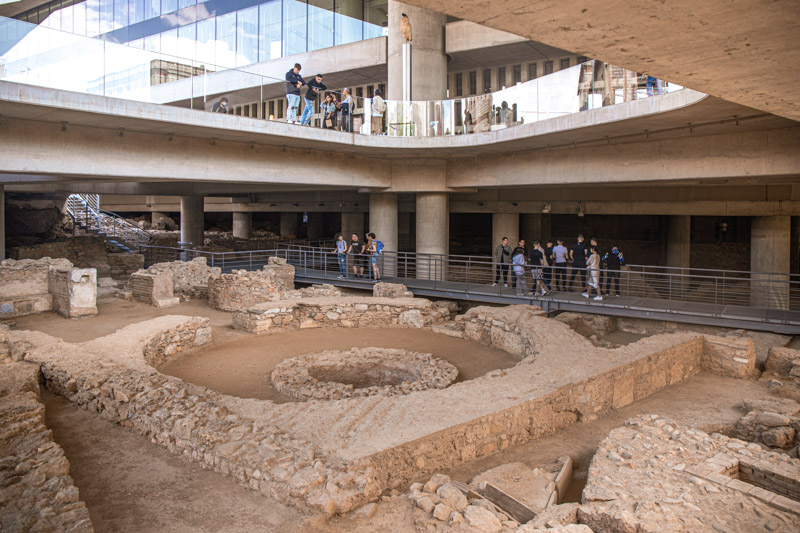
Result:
{"points": [[314, 87], [341, 255], [293, 83]]}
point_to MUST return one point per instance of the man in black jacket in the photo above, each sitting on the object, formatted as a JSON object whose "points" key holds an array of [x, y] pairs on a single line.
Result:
{"points": [[293, 83], [314, 87], [613, 261]]}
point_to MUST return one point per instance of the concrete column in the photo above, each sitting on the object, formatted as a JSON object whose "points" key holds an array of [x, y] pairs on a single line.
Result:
{"points": [[795, 247], [428, 60], [505, 225], [314, 226], [770, 245], [679, 238], [242, 225], [534, 226], [433, 234], [289, 225], [383, 223], [352, 223], [192, 221], [2, 223]]}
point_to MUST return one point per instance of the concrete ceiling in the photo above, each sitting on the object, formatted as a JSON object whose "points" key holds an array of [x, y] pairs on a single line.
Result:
{"points": [[745, 52]]}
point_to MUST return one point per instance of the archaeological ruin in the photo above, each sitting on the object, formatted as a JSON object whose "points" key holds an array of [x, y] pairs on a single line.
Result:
{"points": [[359, 411]]}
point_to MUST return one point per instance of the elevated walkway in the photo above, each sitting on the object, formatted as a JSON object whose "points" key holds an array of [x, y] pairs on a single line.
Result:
{"points": [[748, 300]]}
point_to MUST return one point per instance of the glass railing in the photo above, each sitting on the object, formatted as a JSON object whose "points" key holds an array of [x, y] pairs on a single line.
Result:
{"points": [[45, 57]]}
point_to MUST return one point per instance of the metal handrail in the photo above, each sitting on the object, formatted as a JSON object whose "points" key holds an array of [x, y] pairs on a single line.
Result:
{"points": [[85, 211]]}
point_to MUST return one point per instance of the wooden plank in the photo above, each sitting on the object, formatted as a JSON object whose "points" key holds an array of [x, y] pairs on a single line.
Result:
{"points": [[510, 505], [463, 487]]}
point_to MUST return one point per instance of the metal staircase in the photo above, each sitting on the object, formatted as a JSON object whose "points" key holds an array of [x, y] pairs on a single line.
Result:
{"points": [[84, 209]]}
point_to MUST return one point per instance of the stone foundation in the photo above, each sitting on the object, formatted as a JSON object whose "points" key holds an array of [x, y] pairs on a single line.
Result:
{"points": [[242, 289], [360, 372], [37, 286], [155, 289], [87, 251], [189, 278], [391, 290], [38, 494], [123, 265], [343, 312]]}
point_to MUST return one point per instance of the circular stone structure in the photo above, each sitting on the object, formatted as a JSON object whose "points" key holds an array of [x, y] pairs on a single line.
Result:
{"points": [[360, 372]]}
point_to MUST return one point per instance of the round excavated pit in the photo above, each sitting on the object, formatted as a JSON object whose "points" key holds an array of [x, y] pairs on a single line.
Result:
{"points": [[361, 372]]}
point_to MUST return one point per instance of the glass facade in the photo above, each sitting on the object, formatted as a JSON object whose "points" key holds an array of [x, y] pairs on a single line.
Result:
{"points": [[227, 33]]}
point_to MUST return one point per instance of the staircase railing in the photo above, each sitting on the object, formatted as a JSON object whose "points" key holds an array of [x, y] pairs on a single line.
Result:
{"points": [[86, 214]]}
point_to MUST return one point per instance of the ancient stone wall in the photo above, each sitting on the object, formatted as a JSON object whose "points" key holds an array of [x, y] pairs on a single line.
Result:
{"points": [[242, 289], [122, 265], [342, 312], [391, 290], [189, 278], [74, 291], [86, 251], [38, 493], [730, 356], [155, 289], [169, 343]]}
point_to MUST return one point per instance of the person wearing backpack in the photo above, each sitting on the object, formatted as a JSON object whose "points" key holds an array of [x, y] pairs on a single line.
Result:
{"points": [[378, 107], [518, 266], [374, 248]]}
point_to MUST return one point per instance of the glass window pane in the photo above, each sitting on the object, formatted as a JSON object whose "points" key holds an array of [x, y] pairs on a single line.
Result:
{"points": [[206, 32], [92, 18], [169, 42], [106, 16], [136, 43], [294, 27], [270, 30], [247, 36], [168, 6], [79, 18], [320, 24], [135, 11], [66, 19], [152, 8], [376, 18], [226, 40], [186, 39], [185, 3], [347, 21], [153, 43]]}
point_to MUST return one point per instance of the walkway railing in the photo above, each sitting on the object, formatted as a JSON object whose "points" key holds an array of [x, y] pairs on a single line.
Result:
{"points": [[769, 299], [84, 209], [46, 57]]}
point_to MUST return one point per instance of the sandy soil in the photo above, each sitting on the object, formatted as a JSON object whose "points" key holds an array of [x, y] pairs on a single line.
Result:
{"points": [[242, 367]]}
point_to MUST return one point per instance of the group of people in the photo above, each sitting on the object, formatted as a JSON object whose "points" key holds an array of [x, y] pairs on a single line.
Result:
{"points": [[365, 255], [336, 114], [549, 267]]}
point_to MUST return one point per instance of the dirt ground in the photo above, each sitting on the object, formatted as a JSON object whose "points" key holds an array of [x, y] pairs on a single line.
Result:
{"points": [[132, 485], [242, 367]]}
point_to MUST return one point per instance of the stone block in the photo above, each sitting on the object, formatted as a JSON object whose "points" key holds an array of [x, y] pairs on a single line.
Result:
{"points": [[74, 291], [781, 360], [729, 356]]}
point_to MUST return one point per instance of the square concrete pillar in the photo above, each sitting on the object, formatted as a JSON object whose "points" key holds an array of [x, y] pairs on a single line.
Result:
{"points": [[352, 223], [795, 247], [505, 225], [315, 227], [2, 223], [242, 225], [534, 226], [383, 223], [192, 221], [770, 247], [289, 225], [679, 239], [433, 235]]}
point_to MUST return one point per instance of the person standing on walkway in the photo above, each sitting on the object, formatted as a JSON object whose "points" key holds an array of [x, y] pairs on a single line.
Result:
{"points": [[538, 262], [577, 254], [357, 249], [613, 261], [346, 109], [560, 256], [378, 107], [518, 260], [341, 255], [593, 269], [502, 256], [314, 87], [374, 250], [594, 243], [293, 83], [328, 110], [548, 270]]}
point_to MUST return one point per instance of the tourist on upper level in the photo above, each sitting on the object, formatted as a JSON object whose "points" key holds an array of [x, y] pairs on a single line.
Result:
{"points": [[518, 261], [341, 255], [577, 254], [328, 110], [593, 269], [613, 261], [221, 106], [378, 108], [560, 256], [314, 87], [345, 110], [502, 256], [293, 83]]}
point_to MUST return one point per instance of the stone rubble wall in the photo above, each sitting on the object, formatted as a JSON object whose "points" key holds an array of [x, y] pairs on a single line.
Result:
{"points": [[189, 278], [74, 291], [242, 289], [193, 422], [87, 251], [343, 312], [38, 493], [487, 326], [776, 430], [155, 289], [123, 265], [730, 356], [391, 290]]}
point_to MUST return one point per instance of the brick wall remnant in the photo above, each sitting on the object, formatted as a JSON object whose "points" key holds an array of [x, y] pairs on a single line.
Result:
{"points": [[730, 356], [74, 291], [189, 278], [242, 289], [155, 289], [123, 265], [85, 251]]}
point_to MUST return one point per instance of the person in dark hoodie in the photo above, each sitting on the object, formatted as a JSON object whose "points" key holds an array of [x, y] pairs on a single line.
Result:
{"points": [[293, 83], [314, 87]]}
